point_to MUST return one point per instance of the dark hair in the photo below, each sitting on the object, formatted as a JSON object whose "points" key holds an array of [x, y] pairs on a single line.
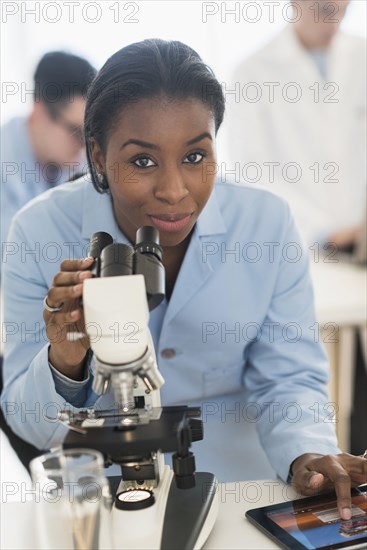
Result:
{"points": [[61, 76], [146, 69]]}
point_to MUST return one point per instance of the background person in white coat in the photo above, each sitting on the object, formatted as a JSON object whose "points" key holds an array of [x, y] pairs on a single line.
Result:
{"points": [[296, 123]]}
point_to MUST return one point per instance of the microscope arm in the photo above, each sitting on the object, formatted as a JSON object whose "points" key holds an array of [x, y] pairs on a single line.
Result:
{"points": [[116, 315]]}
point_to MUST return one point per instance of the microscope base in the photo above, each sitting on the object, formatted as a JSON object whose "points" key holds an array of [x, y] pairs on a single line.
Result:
{"points": [[190, 514], [180, 519]]}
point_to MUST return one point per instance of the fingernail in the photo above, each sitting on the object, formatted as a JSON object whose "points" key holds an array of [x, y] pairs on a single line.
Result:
{"points": [[88, 259], [77, 288], [74, 313], [84, 275], [346, 513]]}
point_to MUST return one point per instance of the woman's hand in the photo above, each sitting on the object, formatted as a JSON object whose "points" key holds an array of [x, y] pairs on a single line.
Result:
{"points": [[313, 474], [67, 288]]}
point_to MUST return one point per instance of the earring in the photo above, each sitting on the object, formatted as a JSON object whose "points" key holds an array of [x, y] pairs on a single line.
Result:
{"points": [[100, 177]]}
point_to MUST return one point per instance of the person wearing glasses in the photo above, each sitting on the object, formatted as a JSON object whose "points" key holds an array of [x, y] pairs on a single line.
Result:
{"points": [[47, 147], [152, 117]]}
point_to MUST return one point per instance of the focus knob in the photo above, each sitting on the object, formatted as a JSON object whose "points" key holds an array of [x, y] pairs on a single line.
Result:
{"points": [[197, 429], [184, 469]]}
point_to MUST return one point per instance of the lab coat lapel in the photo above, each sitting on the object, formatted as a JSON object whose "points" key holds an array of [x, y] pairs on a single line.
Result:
{"points": [[195, 271], [192, 276]]}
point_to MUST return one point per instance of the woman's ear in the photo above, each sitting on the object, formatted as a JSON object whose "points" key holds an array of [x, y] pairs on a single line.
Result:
{"points": [[97, 157]]}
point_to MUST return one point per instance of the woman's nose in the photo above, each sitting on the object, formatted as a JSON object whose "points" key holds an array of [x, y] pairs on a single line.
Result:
{"points": [[171, 187]]}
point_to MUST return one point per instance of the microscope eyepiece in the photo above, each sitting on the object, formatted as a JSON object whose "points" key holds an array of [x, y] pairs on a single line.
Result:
{"points": [[116, 259], [147, 241], [98, 242], [147, 233]]}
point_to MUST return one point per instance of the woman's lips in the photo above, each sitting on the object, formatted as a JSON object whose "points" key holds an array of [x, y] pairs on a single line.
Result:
{"points": [[173, 223]]}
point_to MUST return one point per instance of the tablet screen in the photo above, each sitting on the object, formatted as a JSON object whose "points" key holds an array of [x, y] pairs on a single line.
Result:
{"points": [[314, 523]]}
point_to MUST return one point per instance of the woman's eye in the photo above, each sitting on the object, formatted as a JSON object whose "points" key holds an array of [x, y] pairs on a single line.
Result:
{"points": [[194, 158], [143, 162]]}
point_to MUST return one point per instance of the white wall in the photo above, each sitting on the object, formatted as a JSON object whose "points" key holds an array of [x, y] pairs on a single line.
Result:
{"points": [[95, 30]]}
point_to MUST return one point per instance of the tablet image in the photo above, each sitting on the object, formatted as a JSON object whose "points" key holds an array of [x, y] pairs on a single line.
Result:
{"points": [[314, 523]]}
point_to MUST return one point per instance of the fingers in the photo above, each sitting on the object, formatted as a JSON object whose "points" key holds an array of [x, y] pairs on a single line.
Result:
{"points": [[342, 485], [358, 467], [314, 481], [67, 290], [67, 278], [355, 466], [66, 318], [340, 472], [333, 469], [65, 328], [311, 483], [61, 294], [306, 480], [76, 265], [68, 284]]}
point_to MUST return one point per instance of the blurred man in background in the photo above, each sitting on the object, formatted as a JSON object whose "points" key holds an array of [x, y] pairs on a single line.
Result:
{"points": [[47, 147], [42, 150], [298, 127]]}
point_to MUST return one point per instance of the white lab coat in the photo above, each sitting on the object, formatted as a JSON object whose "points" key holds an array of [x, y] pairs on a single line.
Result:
{"points": [[325, 129]]}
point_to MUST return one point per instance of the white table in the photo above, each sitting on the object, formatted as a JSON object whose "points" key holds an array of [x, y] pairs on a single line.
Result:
{"points": [[231, 530], [341, 309]]}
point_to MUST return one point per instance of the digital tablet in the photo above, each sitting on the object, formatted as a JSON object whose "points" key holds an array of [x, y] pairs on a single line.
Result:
{"points": [[314, 523]]}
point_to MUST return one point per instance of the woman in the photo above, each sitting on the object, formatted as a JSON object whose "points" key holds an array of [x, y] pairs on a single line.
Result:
{"points": [[238, 288]]}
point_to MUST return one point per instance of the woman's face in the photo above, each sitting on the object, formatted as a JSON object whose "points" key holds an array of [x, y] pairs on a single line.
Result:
{"points": [[160, 166]]}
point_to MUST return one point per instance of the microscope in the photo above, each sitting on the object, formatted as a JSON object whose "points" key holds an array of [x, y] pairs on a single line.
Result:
{"points": [[155, 507]]}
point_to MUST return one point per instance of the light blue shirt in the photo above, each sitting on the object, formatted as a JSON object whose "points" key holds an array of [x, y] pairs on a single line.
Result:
{"points": [[23, 177], [320, 58], [240, 322]]}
